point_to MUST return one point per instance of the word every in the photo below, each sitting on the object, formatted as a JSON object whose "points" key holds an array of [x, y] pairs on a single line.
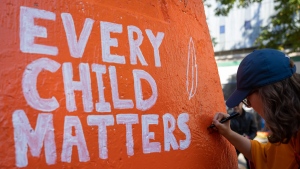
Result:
{"points": [[29, 31]]}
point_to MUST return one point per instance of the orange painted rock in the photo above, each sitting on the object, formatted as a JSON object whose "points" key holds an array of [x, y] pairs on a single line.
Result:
{"points": [[108, 84]]}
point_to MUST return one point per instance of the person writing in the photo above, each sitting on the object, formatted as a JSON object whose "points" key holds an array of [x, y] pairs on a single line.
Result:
{"points": [[267, 82], [244, 124]]}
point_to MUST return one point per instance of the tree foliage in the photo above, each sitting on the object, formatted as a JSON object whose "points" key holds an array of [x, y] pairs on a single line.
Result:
{"points": [[283, 28]]}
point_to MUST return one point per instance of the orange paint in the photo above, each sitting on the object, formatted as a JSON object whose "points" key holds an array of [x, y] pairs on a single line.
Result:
{"points": [[108, 84]]}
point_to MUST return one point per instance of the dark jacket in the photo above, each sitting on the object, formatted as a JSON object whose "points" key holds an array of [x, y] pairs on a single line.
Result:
{"points": [[245, 124]]}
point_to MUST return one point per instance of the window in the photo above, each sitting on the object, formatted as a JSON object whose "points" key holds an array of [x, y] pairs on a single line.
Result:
{"points": [[247, 25], [222, 29]]}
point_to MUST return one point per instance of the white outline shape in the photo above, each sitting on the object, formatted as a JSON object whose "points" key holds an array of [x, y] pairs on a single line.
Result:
{"points": [[194, 76]]}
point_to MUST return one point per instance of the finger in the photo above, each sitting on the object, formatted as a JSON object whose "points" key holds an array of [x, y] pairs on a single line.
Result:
{"points": [[216, 122], [219, 116], [215, 127], [216, 116]]}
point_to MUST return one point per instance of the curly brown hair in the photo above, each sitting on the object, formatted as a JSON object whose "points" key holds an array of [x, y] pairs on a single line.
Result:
{"points": [[281, 110]]}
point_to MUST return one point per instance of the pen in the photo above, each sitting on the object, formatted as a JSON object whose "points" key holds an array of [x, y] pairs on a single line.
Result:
{"points": [[233, 115]]}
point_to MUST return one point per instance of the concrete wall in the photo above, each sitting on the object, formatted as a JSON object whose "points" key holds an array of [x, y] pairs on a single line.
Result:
{"points": [[108, 84]]}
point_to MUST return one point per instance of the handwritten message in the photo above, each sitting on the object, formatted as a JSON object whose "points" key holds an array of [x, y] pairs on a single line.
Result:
{"points": [[29, 140]]}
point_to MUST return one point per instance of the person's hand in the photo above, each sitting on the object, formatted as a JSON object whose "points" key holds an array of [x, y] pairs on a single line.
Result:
{"points": [[222, 128]]}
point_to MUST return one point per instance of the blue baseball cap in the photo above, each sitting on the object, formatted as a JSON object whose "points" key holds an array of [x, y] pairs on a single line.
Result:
{"points": [[260, 68]]}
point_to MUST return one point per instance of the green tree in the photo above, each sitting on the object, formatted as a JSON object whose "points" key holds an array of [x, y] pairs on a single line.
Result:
{"points": [[283, 28]]}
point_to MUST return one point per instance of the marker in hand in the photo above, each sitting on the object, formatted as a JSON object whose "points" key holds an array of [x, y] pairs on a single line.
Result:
{"points": [[233, 115]]}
